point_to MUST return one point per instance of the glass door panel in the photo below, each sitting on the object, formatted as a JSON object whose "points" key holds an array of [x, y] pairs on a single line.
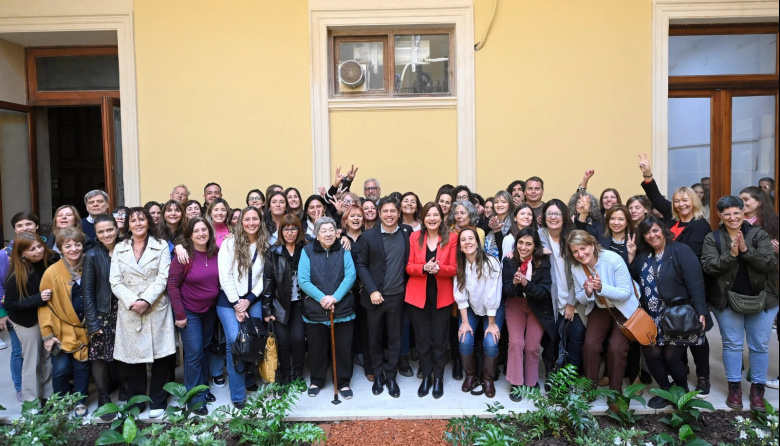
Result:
{"points": [[753, 141], [689, 143], [112, 150]]}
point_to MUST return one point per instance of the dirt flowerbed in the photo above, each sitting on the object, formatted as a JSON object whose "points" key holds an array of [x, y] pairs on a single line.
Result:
{"points": [[716, 427]]}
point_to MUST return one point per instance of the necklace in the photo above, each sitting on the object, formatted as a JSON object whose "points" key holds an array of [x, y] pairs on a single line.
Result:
{"points": [[203, 259]]}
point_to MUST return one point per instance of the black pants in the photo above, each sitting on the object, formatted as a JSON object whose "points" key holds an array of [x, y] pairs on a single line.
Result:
{"points": [[319, 339], [390, 314], [291, 341], [701, 357], [431, 333], [360, 339], [666, 360], [135, 376]]}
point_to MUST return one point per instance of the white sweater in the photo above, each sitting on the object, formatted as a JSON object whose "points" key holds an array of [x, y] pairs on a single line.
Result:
{"points": [[228, 272], [616, 284], [483, 295]]}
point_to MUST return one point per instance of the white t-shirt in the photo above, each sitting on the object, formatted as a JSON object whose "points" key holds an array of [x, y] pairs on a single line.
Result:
{"points": [[560, 276]]}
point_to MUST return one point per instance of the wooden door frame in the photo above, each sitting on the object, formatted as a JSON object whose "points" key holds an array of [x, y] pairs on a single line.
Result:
{"points": [[109, 152], [32, 153]]}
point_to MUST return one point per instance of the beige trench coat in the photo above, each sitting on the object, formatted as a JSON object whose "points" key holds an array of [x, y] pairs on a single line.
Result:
{"points": [[142, 339]]}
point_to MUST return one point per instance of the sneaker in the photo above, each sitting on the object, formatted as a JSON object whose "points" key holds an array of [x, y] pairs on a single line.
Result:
{"points": [[19, 397], [219, 381], [703, 386], [3, 345], [658, 402], [773, 383], [156, 413], [201, 411]]}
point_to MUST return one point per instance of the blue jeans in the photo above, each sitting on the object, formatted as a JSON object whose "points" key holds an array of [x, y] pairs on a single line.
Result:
{"points": [[489, 346], [238, 379], [16, 358], [195, 339], [65, 367], [575, 339], [216, 362], [733, 328]]}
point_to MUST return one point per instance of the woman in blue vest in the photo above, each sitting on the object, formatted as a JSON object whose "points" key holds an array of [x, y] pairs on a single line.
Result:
{"points": [[326, 274]]}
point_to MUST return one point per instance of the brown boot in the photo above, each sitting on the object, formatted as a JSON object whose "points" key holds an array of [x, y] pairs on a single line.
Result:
{"points": [[488, 375], [470, 369], [734, 400], [757, 398]]}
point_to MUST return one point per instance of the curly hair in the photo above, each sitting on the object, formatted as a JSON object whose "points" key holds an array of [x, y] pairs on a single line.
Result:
{"points": [[241, 257], [595, 208]]}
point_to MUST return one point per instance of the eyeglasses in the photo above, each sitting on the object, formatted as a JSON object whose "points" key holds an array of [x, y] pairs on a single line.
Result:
{"points": [[290, 230], [553, 215], [119, 215], [371, 188], [347, 202], [255, 199]]}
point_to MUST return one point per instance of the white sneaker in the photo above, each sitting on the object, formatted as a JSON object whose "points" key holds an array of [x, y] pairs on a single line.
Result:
{"points": [[156, 413], [3, 345], [773, 383]]}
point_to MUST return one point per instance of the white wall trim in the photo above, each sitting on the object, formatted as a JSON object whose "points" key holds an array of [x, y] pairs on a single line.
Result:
{"points": [[687, 11], [122, 23], [327, 14]]}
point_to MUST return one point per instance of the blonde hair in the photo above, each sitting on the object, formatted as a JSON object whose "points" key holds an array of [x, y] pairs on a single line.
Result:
{"points": [[698, 208], [579, 237]]}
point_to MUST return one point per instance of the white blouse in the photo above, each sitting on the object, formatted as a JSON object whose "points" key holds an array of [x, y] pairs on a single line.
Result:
{"points": [[483, 295]]}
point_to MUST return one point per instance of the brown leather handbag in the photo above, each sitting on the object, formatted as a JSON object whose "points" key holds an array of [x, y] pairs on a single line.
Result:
{"points": [[640, 327]]}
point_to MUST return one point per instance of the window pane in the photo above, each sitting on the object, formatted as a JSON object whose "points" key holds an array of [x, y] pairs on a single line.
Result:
{"points": [[73, 73], [752, 141], [371, 56], [722, 54], [689, 144], [422, 64]]}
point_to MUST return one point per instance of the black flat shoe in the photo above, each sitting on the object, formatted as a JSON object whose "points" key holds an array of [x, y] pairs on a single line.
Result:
{"points": [[202, 411], [425, 387], [252, 388], [210, 398], [515, 397], [392, 388], [438, 388], [239, 404], [314, 391], [346, 393], [379, 385], [658, 402]]}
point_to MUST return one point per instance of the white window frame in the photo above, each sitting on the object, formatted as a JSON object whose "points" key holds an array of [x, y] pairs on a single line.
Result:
{"points": [[666, 12], [329, 14]]}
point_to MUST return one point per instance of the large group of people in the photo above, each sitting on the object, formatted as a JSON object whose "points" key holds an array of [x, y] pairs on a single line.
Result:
{"points": [[381, 280]]}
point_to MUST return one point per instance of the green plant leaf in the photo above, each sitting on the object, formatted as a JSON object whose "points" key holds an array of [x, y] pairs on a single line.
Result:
{"points": [[665, 394], [701, 404], [176, 389], [685, 432], [106, 409], [138, 399], [109, 436], [129, 430], [698, 442]]}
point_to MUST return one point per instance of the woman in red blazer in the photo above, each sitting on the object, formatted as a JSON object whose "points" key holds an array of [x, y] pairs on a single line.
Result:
{"points": [[431, 267]]}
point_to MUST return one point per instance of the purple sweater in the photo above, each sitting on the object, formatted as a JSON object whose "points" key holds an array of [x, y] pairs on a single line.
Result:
{"points": [[194, 287]]}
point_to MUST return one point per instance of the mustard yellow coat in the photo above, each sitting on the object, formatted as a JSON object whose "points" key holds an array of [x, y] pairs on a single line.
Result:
{"points": [[58, 318]]}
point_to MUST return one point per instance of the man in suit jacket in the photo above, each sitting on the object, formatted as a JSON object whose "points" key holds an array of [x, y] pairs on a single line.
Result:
{"points": [[381, 266]]}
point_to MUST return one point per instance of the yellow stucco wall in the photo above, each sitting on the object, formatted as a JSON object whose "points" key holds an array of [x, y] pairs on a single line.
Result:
{"points": [[223, 95], [407, 150], [562, 86]]}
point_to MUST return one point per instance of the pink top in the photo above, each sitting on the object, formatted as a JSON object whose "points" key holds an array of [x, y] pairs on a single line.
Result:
{"points": [[221, 231]]}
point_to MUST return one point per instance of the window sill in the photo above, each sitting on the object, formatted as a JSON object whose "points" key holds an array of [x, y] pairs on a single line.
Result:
{"points": [[395, 103]]}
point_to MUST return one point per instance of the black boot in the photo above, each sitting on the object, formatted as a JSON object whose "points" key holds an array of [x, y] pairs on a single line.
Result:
{"points": [[457, 368], [425, 387], [403, 366]]}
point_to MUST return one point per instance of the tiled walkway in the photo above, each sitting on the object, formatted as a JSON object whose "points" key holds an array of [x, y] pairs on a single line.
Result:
{"points": [[454, 403]]}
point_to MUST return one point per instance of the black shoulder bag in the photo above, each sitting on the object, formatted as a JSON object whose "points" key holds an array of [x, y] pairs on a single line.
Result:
{"points": [[679, 318], [249, 345]]}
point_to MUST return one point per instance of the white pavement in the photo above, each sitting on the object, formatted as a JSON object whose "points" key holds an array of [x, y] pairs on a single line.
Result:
{"points": [[454, 403]]}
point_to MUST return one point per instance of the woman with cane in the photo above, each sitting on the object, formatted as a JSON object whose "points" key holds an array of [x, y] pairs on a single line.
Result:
{"points": [[326, 274]]}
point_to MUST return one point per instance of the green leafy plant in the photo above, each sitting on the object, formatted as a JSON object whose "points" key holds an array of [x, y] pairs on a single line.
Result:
{"points": [[130, 434], [474, 430], [686, 406], [180, 412], [43, 426], [132, 408], [759, 430], [196, 431], [611, 436], [621, 402], [686, 435], [564, 411], [261, 421]]}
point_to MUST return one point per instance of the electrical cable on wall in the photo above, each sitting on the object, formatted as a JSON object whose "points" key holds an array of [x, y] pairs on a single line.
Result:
{"points": [[478, 46]]}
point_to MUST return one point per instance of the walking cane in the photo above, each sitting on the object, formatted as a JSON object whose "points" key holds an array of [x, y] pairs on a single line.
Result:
{"points": [[333, 349]]}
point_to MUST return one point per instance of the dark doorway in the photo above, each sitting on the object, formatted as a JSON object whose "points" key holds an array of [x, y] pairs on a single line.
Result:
{"points": [[76, 150]]}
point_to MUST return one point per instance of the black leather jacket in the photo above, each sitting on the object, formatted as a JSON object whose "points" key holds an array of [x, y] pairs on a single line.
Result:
{"points": [[277, 276], [96, 289]]}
